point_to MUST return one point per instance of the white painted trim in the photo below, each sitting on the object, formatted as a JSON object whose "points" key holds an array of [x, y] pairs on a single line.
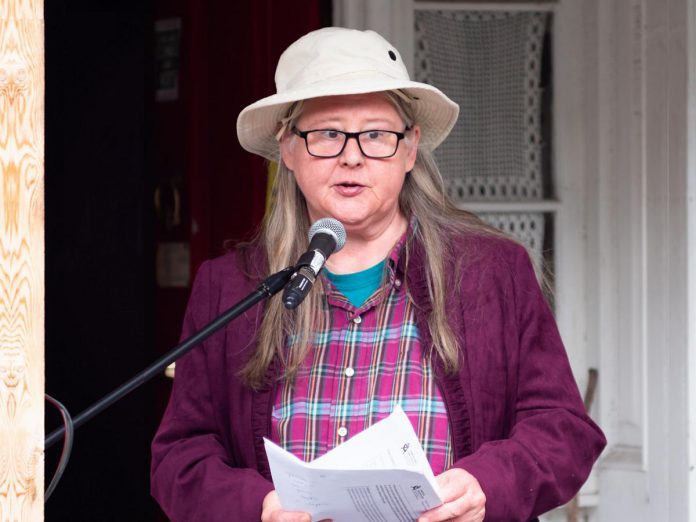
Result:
{"points": [[619, 299], [570, 171], [665, 65], [691, 252], [349, 14], [572, 167], [510, 206], [485, 6], [625, 458]]}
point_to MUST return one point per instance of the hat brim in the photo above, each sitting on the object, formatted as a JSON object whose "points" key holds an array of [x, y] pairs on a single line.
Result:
{"points": [[434, 112]]}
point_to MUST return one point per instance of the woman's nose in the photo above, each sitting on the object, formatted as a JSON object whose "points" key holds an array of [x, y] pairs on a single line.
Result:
{"points": [[352, 155]]}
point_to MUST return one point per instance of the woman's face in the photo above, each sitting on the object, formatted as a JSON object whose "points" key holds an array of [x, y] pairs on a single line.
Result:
{"points": [[360, 192]]}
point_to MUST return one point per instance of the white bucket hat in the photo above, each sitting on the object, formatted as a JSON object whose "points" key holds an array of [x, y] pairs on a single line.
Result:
{"points": [[335, 61]]}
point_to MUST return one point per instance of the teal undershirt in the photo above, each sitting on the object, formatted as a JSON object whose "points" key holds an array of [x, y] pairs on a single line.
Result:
{"points": [[357, 287]]}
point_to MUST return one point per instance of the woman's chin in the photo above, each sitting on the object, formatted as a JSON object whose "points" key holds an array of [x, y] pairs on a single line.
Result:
{"points": [[349, 216], [359, 218], [353, 221]]}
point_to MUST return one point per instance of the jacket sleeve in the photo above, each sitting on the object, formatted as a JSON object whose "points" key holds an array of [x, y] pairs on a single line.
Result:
{"points": [[192, 476], [552, 443]]}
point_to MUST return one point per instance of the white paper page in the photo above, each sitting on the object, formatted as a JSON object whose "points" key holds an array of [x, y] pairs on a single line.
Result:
{"points": [[387, 444], [293, 480], [394, 484], [372, 495]]}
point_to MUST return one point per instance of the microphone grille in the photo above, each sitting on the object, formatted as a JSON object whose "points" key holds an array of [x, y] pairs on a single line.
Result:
{"points": [[329, 226]]}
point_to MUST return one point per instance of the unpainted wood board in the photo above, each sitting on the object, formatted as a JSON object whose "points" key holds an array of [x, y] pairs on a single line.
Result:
{"points": [[21, 260]]}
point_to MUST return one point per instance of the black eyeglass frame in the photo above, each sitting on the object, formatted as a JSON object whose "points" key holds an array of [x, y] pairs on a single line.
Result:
{"points": [[348, 135]]}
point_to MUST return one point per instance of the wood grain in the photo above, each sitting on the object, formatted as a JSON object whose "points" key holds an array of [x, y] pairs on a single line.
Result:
{"points": [[21, 260]]}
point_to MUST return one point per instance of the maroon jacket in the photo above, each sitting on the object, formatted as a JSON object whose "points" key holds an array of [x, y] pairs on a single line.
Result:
{"points": [[518, 423]]}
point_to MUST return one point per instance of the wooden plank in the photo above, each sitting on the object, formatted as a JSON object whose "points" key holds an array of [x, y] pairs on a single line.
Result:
{"points": [[21, 260]]}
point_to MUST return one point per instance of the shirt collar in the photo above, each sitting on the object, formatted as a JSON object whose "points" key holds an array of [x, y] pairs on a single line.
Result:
{"points": [[395, 268]]}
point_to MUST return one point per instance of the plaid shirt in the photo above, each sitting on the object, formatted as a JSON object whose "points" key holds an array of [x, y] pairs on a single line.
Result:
{"points": [[366, 360]]}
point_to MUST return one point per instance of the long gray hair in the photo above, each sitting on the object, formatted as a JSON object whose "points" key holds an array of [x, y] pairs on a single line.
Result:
{"points": [[284, 232]]}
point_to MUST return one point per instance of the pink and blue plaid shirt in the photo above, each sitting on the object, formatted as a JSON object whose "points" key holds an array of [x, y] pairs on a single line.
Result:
{"points": [[367, 360]]}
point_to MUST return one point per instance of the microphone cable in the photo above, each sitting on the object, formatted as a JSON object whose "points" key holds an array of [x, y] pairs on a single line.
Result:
{"points": [[67, 445]]}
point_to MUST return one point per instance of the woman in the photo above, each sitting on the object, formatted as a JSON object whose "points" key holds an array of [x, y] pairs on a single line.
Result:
{"points": [[425, 306]]}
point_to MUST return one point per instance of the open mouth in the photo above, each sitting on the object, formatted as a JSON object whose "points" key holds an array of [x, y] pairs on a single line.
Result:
{"points": [[349, 188]]}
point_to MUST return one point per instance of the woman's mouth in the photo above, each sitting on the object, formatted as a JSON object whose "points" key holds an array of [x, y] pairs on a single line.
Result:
{"points": [[349, 189]]}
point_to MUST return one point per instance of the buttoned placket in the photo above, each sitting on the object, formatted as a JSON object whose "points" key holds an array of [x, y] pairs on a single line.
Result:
{"points": [[354, 317]]}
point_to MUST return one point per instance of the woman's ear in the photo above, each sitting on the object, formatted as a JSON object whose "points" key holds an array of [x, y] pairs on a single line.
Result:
{"points": [[288, 150], [412, 139]]}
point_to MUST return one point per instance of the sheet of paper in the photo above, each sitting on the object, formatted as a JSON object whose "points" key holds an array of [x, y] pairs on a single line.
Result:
{"points": [[380, 475]]}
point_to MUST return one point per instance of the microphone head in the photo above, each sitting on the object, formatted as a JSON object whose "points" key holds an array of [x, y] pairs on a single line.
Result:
{"points": [[329, 226]]}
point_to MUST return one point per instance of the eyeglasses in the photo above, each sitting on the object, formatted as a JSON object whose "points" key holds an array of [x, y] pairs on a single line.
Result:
{"points": [[329, 143]]}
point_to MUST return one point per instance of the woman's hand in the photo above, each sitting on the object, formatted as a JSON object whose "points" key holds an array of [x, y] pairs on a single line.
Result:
{"points": [[463, 498], [274, 512]]}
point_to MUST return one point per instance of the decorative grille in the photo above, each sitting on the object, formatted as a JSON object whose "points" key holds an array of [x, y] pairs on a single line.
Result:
{"points": [[528, 227], [490, 63]]}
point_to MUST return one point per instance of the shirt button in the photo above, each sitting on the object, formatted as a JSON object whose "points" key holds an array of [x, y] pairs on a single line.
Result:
{"points": [[397, 283], [357, 319], [349, 372], [342, 431]]}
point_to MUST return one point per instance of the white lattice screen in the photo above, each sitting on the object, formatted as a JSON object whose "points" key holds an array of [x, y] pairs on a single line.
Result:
{"points": [[490, 63]]}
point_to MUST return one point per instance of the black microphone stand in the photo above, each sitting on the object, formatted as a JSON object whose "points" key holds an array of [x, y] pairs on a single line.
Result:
{"points": [[269, 287]]}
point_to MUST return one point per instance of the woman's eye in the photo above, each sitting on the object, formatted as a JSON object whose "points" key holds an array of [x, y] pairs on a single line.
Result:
{"points": [[330, 134], [374, 135]]}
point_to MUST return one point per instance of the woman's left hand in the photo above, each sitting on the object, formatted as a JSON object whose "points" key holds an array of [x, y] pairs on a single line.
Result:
{"points": [[464, 500]]}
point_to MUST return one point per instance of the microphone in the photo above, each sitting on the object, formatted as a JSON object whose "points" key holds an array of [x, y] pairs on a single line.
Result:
{"points": [[326, 236]]}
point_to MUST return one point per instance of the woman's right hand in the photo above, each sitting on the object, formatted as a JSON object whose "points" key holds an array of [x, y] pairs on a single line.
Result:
{"points": [[272, 511]]}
